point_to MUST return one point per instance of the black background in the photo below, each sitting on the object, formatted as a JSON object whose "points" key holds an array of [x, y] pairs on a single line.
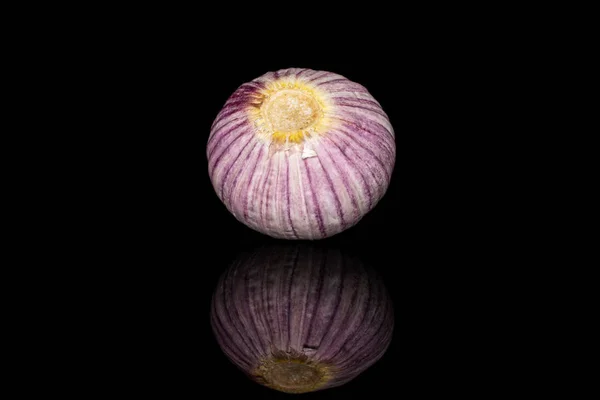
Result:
{"points": [[139, 87]]}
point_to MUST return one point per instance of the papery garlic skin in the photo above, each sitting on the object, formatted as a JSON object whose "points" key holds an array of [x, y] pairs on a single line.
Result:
{"points": [[301, 154]]}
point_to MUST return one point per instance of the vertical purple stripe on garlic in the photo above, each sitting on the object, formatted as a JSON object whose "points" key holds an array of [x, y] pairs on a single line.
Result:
{"points": [[301, 154]]}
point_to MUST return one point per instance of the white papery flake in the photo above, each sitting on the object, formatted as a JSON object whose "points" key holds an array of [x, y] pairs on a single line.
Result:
{"points": [[307, 152]]}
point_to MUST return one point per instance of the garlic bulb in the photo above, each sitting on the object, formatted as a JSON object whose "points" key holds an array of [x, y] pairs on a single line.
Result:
{"points": [[301, 154], [299, 319]]}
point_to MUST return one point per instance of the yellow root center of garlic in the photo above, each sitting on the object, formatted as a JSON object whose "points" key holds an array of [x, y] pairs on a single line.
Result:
{"points": [[290, 111], [292, 375]]}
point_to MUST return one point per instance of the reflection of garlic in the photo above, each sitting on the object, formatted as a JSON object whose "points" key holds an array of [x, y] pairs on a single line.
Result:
{"points": [[301, 154], [300, 319]]}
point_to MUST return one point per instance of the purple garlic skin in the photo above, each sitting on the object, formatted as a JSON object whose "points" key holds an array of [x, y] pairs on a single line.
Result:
{"points": [[299, 319], [301, 154]]}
